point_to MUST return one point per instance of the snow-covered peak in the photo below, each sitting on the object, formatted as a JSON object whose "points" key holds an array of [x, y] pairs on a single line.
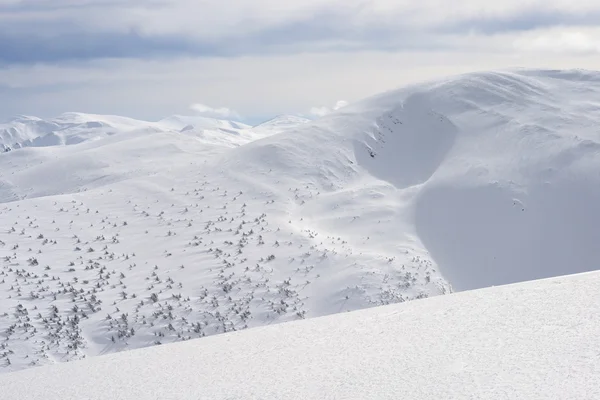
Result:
{"points": [[81, 118], [22, 130], [21, 118], [65, 129], [493, 172]]}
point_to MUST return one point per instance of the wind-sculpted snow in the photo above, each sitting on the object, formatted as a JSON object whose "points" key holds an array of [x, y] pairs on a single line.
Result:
{"points": [[409, 145], [517, 197], [154, 236]]}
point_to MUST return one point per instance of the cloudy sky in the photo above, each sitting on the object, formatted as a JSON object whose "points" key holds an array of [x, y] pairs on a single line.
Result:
{"points": [[251, 59]]}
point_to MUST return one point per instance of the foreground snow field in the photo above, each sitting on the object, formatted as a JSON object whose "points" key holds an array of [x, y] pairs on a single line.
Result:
{"points": [[123, 234], [534, 340]]}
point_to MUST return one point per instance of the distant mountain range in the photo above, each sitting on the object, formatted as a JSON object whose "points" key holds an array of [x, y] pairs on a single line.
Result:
{"points": [[73, 128]]}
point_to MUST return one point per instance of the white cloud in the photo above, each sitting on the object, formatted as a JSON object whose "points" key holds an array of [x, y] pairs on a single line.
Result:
{"points": [[206, 111], [561, 40], [340, 104], [319, 111], [322, 111]]}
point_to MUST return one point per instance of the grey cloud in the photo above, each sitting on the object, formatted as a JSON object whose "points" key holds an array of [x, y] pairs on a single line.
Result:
{"points": [[323, 32], [37, 6], [75, 46], [65, 37], [523, 21]]}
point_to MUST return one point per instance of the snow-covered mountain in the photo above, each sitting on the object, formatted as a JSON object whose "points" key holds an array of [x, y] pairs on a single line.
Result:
{"points": [[157, 235], [534, 340], [73, 128]]}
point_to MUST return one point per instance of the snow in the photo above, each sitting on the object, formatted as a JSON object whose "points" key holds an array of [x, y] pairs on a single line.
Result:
{"points": [[73, 128], [169, 231], [494, 173], [178, 122], [281, 123], [534, 340]]}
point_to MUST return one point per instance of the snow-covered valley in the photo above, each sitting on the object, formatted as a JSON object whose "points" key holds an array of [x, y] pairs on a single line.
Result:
{"points": [[119, 234]]}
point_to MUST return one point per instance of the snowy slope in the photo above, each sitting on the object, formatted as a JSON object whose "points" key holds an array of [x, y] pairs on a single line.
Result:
{"points": [[34, 172], [154, 241], [112, 148], [160, 236], [494, 174], [534, 340]]}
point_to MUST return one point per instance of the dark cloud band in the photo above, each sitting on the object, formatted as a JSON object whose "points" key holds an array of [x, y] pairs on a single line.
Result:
{"points": [[64, 39]]}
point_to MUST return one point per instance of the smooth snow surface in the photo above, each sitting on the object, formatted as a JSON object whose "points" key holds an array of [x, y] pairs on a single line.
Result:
{"points": [[534, 340], [190, 227]]}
